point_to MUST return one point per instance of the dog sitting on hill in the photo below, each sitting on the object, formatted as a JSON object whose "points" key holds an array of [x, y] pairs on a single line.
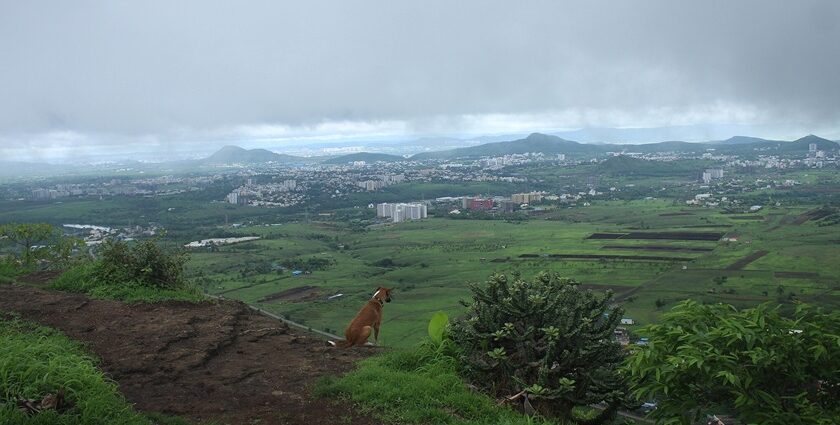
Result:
{"points": [[369, 318]]}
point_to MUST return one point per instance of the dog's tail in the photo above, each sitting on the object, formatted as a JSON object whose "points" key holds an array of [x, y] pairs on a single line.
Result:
{"points": [[340, 344]]}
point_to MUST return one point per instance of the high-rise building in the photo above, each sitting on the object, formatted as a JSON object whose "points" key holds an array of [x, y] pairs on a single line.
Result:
{"points": [[402, 212], [233, 197]]}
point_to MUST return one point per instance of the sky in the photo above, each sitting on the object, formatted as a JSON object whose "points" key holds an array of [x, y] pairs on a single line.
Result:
{"points": [[85, 77]]}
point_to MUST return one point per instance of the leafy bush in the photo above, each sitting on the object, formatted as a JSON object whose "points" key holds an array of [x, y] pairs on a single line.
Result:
{"points": [[766, 368], [546, 340], [143, 263], [143, 272]]}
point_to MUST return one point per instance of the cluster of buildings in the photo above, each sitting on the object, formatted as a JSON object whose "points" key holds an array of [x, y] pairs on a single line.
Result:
{"points": [[95, 235], [381, 182], [281, 194], [402, 211], [518, 159], [155, 186]]}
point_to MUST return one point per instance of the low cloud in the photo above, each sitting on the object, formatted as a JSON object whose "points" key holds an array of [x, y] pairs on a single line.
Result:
{"points": [[162, 73]]}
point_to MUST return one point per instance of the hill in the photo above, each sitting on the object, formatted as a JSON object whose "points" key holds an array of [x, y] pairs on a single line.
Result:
{"points": [[742, 140], [536, 142], [237, 155], [822, 144], [364, 156]]}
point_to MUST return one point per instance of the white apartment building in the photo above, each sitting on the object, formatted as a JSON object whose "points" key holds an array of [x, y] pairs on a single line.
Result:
{"points": [[402, 212]]}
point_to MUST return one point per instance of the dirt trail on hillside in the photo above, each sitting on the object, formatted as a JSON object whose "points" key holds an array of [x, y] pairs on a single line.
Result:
{"points": [[212, 361]]}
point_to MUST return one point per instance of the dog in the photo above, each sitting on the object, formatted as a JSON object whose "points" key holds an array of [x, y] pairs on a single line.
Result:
{"points": [[368, 319]]}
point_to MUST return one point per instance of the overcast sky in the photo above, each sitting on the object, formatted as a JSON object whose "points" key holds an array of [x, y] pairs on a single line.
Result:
{"points": [[90, 75]]}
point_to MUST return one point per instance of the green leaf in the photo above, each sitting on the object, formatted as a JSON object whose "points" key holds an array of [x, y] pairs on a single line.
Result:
{"points": [[437, 326]]}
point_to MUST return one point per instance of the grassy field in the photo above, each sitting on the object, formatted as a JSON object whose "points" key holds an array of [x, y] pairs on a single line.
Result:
{"points": [[430, 262]]}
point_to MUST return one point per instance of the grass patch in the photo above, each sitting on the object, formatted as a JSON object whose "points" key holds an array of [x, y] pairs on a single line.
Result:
{"points": [[417, 387], [36, 361], [84, 279], [8, 272]]}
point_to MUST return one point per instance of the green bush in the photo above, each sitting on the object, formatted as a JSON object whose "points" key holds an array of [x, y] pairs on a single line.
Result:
{"points": [[756, 363], [142, 272], [144, 263], [545, 338]]}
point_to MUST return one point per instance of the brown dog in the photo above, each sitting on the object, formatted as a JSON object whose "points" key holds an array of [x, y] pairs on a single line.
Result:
{"points": [[369, 318]]}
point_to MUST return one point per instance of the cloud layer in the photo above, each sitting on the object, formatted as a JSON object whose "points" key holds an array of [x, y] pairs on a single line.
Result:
{"points": [[118, 72]]}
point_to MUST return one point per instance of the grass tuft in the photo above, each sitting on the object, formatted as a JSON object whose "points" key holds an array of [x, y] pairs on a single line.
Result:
{"points": [[418, 387]]}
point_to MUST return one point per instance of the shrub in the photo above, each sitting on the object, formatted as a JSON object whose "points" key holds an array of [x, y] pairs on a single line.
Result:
{"points": [[143, 263], [545, 339], [766, 368], [143, 272]]}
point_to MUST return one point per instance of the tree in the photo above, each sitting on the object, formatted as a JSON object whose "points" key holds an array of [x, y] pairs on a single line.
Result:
{"points": [[545, 339], [755, 363], [27, 236]]}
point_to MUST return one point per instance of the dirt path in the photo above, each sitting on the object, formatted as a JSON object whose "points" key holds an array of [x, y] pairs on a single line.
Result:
{"points": [[213, 361]]}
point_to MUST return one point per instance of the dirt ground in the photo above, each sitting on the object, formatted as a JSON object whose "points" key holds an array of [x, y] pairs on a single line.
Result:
{"points": [[216, 361]]}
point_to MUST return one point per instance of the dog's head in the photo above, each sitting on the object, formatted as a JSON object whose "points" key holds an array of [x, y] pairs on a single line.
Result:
{"points": [[382, 294]]}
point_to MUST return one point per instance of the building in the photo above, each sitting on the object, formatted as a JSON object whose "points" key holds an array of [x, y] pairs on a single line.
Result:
{"points": [[508, 206], [479, 204], [526, 198], [402, 212], [233, 197], [716, 173]]}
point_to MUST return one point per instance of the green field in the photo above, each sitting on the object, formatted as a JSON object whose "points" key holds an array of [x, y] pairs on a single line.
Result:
{"points": [[431, 262]]}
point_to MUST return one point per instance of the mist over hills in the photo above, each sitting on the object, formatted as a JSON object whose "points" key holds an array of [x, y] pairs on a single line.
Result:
{"points": [[235, 154], [536, 142]]}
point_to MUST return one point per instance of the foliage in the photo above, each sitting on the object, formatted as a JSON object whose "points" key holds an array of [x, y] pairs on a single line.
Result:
{"points": [[546, 337], [144, 263], [767, 368], [8, 271], [419, 386], [308, 264], [37, 361], [83, 278], [26, 237], [60, 249], [142, 272], [437, 327]]}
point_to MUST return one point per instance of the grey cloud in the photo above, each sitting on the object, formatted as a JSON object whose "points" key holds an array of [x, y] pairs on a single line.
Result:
{"points": [[193, 67]]}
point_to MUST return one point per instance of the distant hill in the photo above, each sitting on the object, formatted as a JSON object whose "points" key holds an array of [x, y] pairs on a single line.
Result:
{"points": [[535, 142], [822, 144], [364, 156], [237, 155], [742, 140]]}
